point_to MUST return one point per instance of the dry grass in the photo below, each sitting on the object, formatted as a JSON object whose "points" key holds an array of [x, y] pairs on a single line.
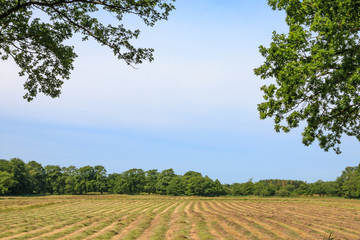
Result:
{"points": [[161, 217]]}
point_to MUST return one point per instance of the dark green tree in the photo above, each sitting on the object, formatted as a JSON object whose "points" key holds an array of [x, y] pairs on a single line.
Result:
{"points": [[112, 182], [6, 181], [346, 174], [351, 187], [151, 179], [349, 182], [36, 43], [85, 180], [164, 180], [282, 192], [5, 165], [176, 186], [21, 176], [119, 184], [191, 174], [264, 189], [37, 177], [246, 188], [235, 189], [318, 188], [333, 189], [302, 190], [133, 181], [195, 186], [195, 183], [54, 179], [70, 176], [213, 188], [100, 179], [316, 71]]}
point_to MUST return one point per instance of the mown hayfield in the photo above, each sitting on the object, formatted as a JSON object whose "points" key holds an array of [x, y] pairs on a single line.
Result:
{"points": [[157, 217]]}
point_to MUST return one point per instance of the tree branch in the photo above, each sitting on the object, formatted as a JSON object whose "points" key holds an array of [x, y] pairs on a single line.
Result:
{"points": [[61, 2], [68, 19]]}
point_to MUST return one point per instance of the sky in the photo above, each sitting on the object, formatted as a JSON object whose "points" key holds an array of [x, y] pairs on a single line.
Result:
{"points": [[193, 108]]}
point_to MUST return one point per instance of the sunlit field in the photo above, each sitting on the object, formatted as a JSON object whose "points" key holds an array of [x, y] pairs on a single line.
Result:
{"points": [[158, 217]]}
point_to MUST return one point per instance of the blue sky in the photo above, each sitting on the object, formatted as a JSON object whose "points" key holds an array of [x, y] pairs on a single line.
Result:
{"points": [[193, 108]]}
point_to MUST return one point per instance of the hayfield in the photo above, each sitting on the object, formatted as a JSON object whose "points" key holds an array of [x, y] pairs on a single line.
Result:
{"points": [[158, 217]]}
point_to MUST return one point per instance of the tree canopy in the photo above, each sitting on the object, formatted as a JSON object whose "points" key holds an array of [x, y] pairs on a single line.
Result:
{"points": [[316, 68], [36, 44], [19, 178]]}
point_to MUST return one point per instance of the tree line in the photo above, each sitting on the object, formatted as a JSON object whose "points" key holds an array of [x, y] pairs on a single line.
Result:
{"points": [[20, 178]]}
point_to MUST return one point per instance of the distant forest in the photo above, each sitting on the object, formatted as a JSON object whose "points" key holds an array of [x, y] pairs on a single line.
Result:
{"points": [[20, 178]]}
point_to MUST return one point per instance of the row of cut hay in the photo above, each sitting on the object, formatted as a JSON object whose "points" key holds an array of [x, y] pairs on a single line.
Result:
{"points": [[109, 226], [160, 223], [235, 225], [233, 222], [302, 222], [126, 224], [15, 218], [333, 214], [274, 219], [334, 203], [82, 232], [201, 230], [268, 218], [325, 218], [138, 229], [320, 213], [21, 203], [44, 218], [192, 228], [57, 219], [297, 229], [179, 226], [66, 210], [87, 223], [107, 219], [209, 221]]}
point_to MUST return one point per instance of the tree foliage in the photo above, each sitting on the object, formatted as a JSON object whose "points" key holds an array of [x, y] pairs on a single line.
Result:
{"points": [[37, 177], [36, 43], [350, 182], [316, 67], [6, 181], [19, 178], [151, 177]]}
